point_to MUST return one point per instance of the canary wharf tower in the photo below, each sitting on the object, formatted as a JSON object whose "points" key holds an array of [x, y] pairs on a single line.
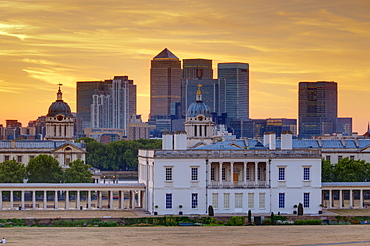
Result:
{"points": [[165, 83]]}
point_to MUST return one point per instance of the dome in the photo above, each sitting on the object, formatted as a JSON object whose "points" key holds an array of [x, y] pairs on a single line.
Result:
{"points": [[197, 108], [59, 107]]}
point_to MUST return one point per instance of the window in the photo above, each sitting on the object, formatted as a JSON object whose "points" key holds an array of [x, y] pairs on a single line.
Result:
{"points": [[306, 200], [352, 157], [328, 157], [223, 174], [215, 200], [340, 157], [168, 200], [250, 200], [226, 200], [281, 173], [238, 200], [194, 173], [261, 200], [194, 200], [6, 158], [19, 158], [168, 173], [306, 173], [248, 173], [281, 200], [213, 174]]}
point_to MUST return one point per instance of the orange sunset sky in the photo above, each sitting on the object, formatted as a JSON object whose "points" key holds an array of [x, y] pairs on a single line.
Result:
{"points": [[43, 43]]}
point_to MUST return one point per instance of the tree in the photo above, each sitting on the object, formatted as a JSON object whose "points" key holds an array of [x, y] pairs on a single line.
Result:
{"points": [[78, 172], [44, 169], [327, 171], [348, 170], [12, 172]]}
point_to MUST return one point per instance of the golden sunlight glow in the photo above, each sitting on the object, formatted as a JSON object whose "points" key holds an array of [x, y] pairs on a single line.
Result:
{"points": [[284, 42]]}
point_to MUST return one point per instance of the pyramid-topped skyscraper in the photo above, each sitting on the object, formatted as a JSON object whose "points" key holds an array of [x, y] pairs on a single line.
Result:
{"points": [[165, 84]]}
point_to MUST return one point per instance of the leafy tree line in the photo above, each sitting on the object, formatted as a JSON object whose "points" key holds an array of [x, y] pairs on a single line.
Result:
{"points": [[346, 170], [44, 169], [119, 155]]}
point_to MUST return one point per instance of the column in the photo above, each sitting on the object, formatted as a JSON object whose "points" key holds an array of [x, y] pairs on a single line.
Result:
{"points": [[133, 199], [231, 173], [45, 201], [361, 198], [78, 200], [55, 199], [22, 199], [110, 194], [340, 198], [139, 198], [121, 199], [245, 173], [89, 199], [34, 199], [220, 173], [330, 199], [66, 199], [256, 173], [1, 200], [351, 198], [100, 199], [11, 200]]}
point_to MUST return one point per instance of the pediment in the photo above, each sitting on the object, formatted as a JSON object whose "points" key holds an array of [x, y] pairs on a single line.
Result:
{"points": [[68, 147]]}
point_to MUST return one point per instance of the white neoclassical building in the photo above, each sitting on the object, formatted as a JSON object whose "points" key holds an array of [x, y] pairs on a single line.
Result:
{"points": [[193, 172]]}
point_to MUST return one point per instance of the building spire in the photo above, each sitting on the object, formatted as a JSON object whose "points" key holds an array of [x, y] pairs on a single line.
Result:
{"points": [[59, 94], [198, 96]]}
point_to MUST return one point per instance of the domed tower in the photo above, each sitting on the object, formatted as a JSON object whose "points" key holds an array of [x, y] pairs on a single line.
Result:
{"points": [[199, 125], [59, 120]]}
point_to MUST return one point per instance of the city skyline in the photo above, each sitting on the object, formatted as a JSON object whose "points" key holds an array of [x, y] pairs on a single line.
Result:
{"points": [[284, 43]]}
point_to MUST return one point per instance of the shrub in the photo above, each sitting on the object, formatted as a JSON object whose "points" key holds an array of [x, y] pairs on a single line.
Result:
{"points": [[308, 222], [236, 221], [266, 222]]}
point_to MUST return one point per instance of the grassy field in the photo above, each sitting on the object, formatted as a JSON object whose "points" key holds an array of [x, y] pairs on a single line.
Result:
{"points": [[351, 212], [205, 235]]}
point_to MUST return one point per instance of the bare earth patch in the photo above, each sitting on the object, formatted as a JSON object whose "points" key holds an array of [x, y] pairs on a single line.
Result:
{"points": [[204, 235]]}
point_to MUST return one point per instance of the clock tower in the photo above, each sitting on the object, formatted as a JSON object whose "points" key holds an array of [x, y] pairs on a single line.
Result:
{"points": [[59, 120], [199, 125]]}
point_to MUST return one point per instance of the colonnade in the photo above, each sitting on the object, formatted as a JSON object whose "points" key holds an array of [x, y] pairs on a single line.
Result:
{"points": [[69, 196], [238, 174], [334, 197]]}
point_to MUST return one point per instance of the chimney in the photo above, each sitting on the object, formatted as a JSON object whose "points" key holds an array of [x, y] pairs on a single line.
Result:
{"points": [[286, 140], [167, 141], [266, 138], [272, 141], [180, 140], [12, 144]]}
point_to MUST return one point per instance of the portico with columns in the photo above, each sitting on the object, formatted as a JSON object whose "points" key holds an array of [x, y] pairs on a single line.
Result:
{"points": [[73, 196], [346, 194], [238, 173]]}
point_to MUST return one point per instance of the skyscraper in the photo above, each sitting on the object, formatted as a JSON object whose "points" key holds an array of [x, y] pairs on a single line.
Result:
{"points": [[237, 89], [318, 108], [84, 93], [197, 69], [165, 83], [106, 104], [113, 108]]}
